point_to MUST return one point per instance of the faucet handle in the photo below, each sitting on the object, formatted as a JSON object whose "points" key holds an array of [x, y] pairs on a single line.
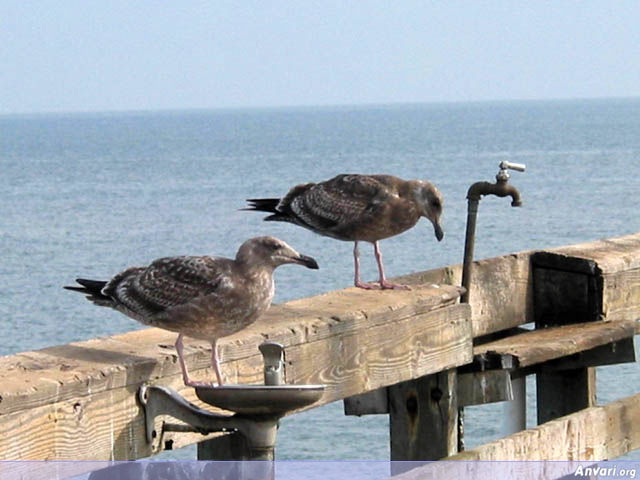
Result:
{"points": [[518, 167], [503, 174]]}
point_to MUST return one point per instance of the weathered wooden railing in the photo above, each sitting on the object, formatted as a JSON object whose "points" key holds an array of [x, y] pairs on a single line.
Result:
{"points": [[418, 355]]}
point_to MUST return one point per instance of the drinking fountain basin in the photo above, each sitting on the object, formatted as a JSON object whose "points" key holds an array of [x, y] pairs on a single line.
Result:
{"points": [[260, 399]]}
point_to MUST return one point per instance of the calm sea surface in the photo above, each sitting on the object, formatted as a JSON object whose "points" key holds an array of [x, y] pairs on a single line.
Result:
{"points": [[89, 194]]}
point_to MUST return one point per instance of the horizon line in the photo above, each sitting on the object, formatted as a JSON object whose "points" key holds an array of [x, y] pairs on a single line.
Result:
{"points": [[306, 106]]}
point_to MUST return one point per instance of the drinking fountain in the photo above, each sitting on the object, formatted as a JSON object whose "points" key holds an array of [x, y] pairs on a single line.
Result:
{"points": [[256, 408]]}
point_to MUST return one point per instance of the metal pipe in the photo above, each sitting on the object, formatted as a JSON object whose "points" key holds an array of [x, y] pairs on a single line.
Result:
{"points": [[501, 189], [469, 244], [476, 191]]}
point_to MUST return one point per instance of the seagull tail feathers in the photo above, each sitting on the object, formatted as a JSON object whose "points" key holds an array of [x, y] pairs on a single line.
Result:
{"points": [[93, 290], [263, 204], [268, 205]]}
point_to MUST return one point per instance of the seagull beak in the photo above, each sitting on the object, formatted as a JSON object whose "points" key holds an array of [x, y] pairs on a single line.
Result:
{"points": [[439, 232], [307, 262]]}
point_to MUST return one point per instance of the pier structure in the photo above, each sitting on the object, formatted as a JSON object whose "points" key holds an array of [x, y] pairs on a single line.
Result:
{"points": [[417, 356]]}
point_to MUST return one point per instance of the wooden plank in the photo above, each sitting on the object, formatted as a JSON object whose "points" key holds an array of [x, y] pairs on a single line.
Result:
{"points": [[501, 295], [565, 392], [384, 355], [52, 374], [370, 403], [352, 351], [538, 346], [474, 388], [614, 262], [611, 255], [565, 297], [622, 351], [495, 470], [568, 289], [423, 421], [478, 388], [596, 433]]}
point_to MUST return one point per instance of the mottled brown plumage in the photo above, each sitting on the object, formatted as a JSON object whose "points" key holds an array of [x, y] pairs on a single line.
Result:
{"points": [[201, 297], [358, 208]]}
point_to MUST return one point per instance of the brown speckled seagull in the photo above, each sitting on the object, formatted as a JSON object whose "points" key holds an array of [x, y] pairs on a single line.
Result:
{"points": [[200, 297], [358, 208]]}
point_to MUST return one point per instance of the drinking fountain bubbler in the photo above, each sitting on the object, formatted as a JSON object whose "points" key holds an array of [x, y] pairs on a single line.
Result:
{"points": [[257, 408]]}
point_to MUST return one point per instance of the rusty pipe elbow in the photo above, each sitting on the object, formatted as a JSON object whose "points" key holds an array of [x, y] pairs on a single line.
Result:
{"points": [[515, 195], [500, 189]]}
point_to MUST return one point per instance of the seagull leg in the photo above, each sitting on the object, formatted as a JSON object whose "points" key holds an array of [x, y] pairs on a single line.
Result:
{"points": [[356, 259], [383, 281], [215, 362], [185, 374]]}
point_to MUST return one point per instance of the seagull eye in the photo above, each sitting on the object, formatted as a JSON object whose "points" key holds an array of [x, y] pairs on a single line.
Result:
{"points": [[435, 203]]}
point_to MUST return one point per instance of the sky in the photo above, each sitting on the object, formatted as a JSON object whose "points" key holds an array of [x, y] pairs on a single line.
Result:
{"points": [[68, 55]]}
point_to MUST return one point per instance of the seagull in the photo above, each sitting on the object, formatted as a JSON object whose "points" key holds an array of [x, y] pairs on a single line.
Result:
{"points": [[200, 297], [357, 208]]}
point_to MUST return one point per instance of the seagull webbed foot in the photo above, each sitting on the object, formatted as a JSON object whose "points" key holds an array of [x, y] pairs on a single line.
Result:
{"points": [[195, 383], [384, 285]]}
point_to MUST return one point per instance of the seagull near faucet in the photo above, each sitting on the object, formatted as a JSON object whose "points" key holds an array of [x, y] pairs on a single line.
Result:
{"points": [[358, 208], [200, 297]]}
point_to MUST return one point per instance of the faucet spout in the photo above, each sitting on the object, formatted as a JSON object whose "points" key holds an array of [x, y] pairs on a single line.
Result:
{"points": [[501, 189]]}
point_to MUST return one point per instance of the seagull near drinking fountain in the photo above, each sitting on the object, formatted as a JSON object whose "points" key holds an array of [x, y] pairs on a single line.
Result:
{"points": [[200, 297], [358, 208]]}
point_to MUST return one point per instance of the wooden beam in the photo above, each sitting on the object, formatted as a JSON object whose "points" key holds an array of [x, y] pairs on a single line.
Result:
{"points": [[621, 351], [615, 262], [474, 388], [31, 379], [79, 400], [370, 403], [484, 387], [501, 295], [423, 422], [583, 283], [542, 345], [563, 392], [596, 433]]}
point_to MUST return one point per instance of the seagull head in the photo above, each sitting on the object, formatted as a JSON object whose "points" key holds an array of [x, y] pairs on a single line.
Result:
{"points": [[429, 200], [272, 252]]}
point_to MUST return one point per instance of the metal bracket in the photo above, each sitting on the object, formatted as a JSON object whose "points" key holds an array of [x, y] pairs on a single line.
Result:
{"points": [[257, 425], [260, 431], [157, 400]]}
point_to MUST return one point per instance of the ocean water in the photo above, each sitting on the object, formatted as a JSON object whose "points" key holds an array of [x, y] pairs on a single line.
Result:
{"points": [[89, 194]]}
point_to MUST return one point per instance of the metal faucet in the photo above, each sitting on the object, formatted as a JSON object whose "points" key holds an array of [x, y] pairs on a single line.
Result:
{"points": [[501, 189]]}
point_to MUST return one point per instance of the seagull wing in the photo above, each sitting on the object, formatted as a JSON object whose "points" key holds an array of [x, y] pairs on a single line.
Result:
{"points": [[330, 206], [166, 283]]}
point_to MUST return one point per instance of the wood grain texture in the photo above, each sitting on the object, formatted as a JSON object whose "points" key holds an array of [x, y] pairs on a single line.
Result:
{"points": [[616, 264], [596, 433], [538, 346], [370, 403], [80, 398], [423, 419], [501, 295], [478, 388], [79, 401]]}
